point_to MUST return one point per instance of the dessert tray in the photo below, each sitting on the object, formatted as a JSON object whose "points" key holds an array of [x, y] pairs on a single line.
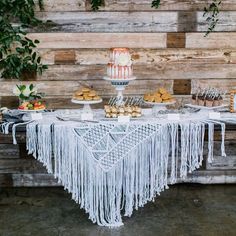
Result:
{"points": [[205, 107], [159, 106]]}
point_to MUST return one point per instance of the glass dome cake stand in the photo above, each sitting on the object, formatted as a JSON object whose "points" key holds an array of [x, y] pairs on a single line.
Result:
{"points": [[119, 85]]}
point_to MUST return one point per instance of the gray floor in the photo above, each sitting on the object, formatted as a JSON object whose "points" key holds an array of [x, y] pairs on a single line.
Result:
{"points": [[181, 210]]}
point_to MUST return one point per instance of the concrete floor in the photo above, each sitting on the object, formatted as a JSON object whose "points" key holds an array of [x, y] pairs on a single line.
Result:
{"points": [[181, 210]]}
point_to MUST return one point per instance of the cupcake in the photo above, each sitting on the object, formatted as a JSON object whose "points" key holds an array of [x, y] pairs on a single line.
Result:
{"points": [[209, 101], [201, 101], [218, 101], [194, 99]]}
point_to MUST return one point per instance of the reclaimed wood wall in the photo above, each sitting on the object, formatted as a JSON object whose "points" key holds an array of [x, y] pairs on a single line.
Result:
{"points": [[168, 47]]}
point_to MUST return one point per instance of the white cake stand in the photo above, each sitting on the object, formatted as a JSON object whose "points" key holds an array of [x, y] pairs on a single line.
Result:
{"points": [[119, 85], [87, 107], [159, 106]]}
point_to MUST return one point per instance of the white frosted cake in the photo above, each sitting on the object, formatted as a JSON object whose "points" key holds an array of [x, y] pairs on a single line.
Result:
{"points": [[120, 65]]}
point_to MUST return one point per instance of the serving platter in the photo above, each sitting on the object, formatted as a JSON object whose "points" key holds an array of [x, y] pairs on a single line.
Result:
{"points": [[31, 111], [206, 108]]}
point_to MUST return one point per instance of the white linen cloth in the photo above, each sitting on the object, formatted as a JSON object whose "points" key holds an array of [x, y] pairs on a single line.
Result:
{"points": [[110, 167]]}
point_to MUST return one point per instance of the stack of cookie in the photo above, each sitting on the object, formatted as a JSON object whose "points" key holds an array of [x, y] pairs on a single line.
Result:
{"points": [[160, 96], [86, 94]]}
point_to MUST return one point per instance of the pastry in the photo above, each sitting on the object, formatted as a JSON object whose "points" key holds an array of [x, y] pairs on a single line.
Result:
{"points": [[162, 91], [115, 111], [161, 96], [86, 94]]}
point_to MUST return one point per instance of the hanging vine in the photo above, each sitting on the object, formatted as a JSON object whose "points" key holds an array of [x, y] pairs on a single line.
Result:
{"points": [[212, 15], [17, 52]]}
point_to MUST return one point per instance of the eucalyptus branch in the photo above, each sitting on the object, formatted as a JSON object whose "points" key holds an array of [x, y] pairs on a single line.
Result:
{"points": [[212, 15]]}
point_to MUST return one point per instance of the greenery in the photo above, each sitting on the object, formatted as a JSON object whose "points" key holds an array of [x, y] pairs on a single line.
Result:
{"points": [[18, 54], [95, 4], [156, 3], [211, 13], [27, 92]]}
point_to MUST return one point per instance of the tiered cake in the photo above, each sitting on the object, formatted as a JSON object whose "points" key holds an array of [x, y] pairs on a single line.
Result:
{"points": [[119, 71], [120, 65]]}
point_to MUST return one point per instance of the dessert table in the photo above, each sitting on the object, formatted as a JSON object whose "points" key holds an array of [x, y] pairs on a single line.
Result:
{"points": [[111, 167]]}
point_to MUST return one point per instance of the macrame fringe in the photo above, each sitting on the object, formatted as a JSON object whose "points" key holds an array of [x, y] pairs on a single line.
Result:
{"points": [[133, 181]]}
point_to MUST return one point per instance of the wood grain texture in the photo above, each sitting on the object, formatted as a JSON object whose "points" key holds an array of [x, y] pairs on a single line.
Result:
{"points": [[176, 40], [161, 71], [144, 56], [21, 166], [214, 40], [27, 180], [111, 22], [182, 87], [9, 151], [100, 40], [217, 83], [134, 5], [67, 87], [123, 22], [65, 57]]}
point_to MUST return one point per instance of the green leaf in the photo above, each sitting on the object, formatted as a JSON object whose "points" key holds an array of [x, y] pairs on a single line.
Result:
{"points": [[155, 3]]}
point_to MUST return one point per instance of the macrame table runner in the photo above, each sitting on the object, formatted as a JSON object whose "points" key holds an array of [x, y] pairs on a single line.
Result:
{"points": [[113, 168]]}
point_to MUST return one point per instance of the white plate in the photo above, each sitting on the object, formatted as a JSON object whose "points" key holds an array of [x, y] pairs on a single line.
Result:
{"points": [[82, 102], [160, 104], [29, 111], [204, 107]]}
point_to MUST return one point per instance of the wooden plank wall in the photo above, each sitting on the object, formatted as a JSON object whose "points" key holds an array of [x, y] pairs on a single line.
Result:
{"points": [[168, 47]]}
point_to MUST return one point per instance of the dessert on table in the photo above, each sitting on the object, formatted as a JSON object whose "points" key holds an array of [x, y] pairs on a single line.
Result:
{"points": [[119, 70], [33, 105], [159, 96], [120, 65], [86, 94], [126, 110], [130, 107], [210, 97]]}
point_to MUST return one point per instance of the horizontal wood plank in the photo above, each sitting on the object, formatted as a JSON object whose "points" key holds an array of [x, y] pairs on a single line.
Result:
{"points": [[109, 22], [27, 180], [100, 40], [123, 22], [226, 85], [142, 56], [67, 87], [47, 180], [161, 71], [9, 151], [133, 5], [213, 40], [21, 166]]}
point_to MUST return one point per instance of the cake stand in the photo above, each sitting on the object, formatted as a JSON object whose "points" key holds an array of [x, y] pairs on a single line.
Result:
{"points": [[119, 85], [159, 106], [87, 107]]}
